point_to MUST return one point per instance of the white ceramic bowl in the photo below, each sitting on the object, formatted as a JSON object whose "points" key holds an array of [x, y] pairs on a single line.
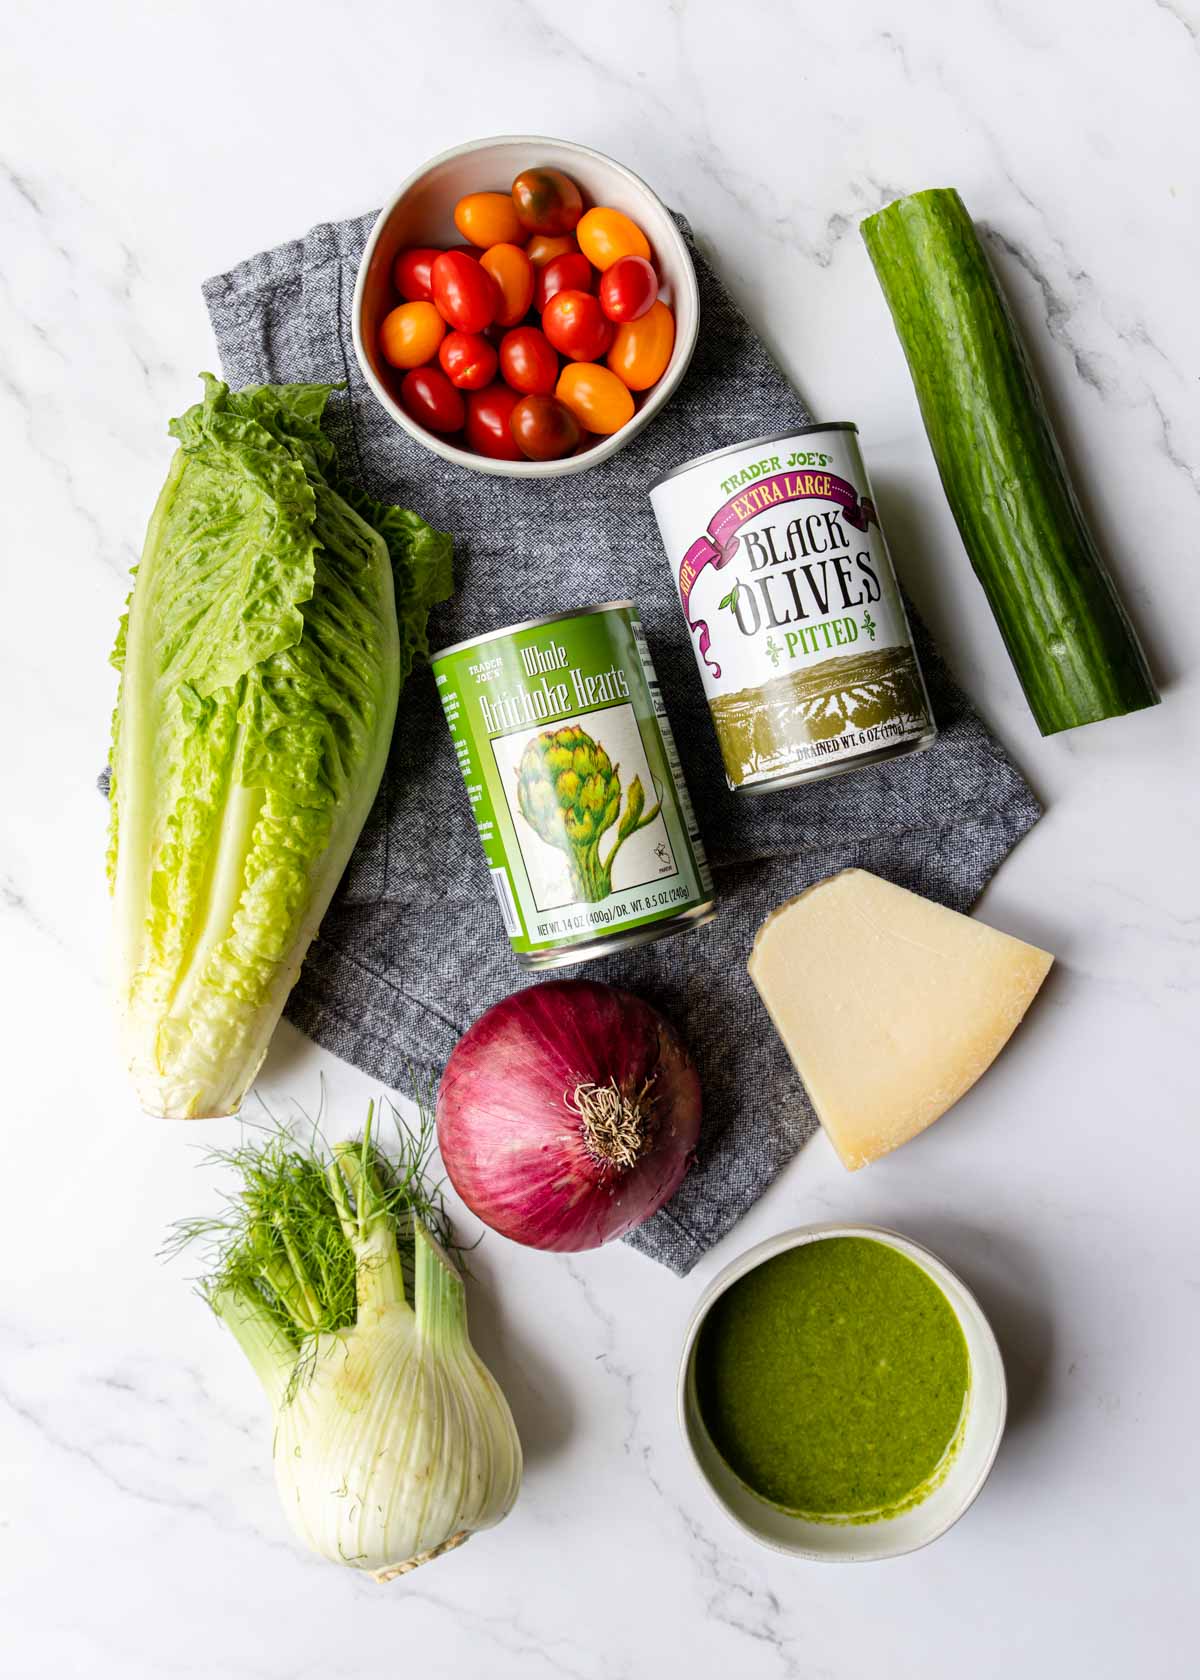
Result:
{"points": [[851, 1542], [422, 213]]}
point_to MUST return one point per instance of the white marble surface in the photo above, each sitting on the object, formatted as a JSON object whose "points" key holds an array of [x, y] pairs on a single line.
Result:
{"points": [[145, 146]]}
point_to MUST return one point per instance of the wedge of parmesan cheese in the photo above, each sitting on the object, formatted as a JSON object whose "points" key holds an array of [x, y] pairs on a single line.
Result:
{"points": [[889, 1006]]}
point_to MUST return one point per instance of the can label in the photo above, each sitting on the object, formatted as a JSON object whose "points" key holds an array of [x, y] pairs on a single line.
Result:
{"points": [[796, 620], [564, 745]]}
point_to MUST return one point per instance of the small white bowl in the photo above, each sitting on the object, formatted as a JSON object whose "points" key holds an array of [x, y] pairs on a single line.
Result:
{"points": [[422, 213], [851, 1542]]}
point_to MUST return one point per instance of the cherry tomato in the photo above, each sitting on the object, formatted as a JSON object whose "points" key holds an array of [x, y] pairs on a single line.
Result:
{"points": [[642, 348], [410, 334], [468, 360], [575, 324], [605, 236], [571, 272], [544, 428], [488, 218], [528, 361], [488, 414], [411, 273], [464, 292], [628, 289], [544, 247], [546, 201], [512, 271], [430, 398], [596, 397]]}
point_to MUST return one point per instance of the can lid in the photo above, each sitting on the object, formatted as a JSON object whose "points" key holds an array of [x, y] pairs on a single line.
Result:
{"points": [[754, 443], [530, 624]]}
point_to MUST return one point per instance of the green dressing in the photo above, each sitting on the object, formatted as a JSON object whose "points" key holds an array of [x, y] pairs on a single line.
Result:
{"points": [[832, 1379]]}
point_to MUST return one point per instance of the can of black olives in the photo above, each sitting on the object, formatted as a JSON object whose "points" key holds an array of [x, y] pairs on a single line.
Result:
{"points": [[796, 619], [575, 785]]}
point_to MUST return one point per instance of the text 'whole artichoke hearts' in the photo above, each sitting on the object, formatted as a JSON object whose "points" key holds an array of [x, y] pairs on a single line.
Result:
{"points": [[549, 700]]}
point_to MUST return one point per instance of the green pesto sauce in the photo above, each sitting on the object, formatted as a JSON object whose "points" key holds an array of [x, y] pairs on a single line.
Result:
{"points": [[831, 1379]]}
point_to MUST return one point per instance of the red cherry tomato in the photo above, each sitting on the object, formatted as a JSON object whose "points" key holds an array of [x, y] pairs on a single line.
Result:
{"points": [[430, 398], [528, 361], [411, 273], [544, 428], [464, 293], [575, 324], [569, 273], [628, 289], [468, 360], [547, 201], [512, 271], [488, 414]]}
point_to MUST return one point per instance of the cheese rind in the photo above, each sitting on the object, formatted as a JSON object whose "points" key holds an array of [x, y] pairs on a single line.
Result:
{"points": [[889, 1006]]}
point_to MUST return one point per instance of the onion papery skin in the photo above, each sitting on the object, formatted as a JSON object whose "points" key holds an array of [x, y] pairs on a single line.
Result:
{"points": [[516, 1151]]}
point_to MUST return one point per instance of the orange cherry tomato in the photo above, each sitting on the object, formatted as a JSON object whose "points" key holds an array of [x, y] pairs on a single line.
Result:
{"points": [[642, 348], [488, 218], [605, 236], [512, 271], [628, 288], [546, 201], [467, 360], [544, 247], [571, 272], [410, 334], [488, 414], [575, 324], [411, 273], [596, 397], [544, 428], [528, 362], [464, 293]]}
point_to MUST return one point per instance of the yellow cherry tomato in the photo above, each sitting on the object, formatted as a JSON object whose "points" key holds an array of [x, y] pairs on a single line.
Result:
{"points": [[606, 235], [512, 271], [642, 348], [489, 218], [409, 336], [596, 398]]}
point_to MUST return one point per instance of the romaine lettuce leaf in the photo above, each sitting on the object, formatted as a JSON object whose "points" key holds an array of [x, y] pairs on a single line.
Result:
{"points": [[261, 662]]}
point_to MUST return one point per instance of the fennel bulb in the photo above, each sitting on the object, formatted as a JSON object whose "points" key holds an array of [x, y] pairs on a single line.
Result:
{"points": [[274, 617], [393, 1442]]}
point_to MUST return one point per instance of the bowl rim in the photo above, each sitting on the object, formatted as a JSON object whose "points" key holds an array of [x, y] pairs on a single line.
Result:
{"points": [[930, 1263], [603, 450]]}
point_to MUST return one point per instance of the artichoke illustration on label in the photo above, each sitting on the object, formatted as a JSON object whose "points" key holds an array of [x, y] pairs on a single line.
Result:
{"points": [[569, 792], [575, 787]]}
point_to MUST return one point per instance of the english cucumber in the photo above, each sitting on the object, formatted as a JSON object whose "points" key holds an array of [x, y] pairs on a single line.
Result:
{"points": [[1066, 631]]}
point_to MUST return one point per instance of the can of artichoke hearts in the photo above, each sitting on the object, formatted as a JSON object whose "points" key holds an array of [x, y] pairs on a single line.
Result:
{"points": [[571, 771], [796, 619]]}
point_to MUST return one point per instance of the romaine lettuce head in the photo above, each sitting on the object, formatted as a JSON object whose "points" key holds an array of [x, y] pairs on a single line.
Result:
{"points": [[261, 662]]}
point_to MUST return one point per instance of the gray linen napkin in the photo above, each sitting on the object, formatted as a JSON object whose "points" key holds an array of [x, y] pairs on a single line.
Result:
{"points": [[412, 949]]}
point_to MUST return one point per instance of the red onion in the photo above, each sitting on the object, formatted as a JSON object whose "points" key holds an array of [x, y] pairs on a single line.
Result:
{"points": [[568, 1114]]}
